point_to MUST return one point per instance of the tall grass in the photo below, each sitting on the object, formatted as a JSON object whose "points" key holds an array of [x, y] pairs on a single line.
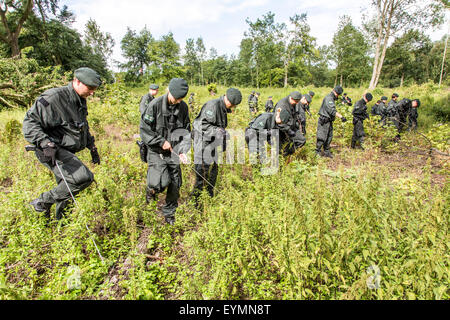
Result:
{"points": [[311, 231]]}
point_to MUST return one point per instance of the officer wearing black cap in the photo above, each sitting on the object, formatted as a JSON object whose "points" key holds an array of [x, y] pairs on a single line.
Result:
{"points": [[391, 110], [413, 115], [269, 104], [257, 132], [404, 107], [253, 103], [57, 125], [375, 111], [148, 97], [346, 100], [382, 109], [165, 129], [209, 133], [327, 114], [300, 110], [311, 94], [359, 115], [285, 120], [250, 100]]}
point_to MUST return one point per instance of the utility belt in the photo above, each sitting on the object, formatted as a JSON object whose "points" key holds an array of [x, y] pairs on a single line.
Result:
{"points": [[143, 151], [323, 120]]}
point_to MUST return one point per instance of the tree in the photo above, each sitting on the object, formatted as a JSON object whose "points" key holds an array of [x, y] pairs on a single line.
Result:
{"points": [[297, 44], [350, 52], [101, 43], [394, 16], [437, 67], [246, 62], [407, 59], [264, 44], [201, 56], [135, 49], [321, 75], [190, 59], [165, 55], [13, 15]]}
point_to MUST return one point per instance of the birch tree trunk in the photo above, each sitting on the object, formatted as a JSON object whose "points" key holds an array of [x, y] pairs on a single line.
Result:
{"points": [[443, 57], [383, 34]]}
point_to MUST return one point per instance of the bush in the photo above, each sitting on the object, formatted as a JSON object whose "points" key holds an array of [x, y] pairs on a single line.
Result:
{"points": [[22, 80], [13, 128], [212, 88]]}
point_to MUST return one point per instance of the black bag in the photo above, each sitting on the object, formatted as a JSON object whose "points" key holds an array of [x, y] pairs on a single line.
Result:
{"points": [[142, 150]]}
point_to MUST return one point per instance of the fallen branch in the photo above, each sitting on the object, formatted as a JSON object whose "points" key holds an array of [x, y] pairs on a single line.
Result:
{"points": [[7, 86], [4, 102], [439, 152]]}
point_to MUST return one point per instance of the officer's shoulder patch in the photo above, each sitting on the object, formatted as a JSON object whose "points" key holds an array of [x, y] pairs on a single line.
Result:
{"points": [[44, 102], [148, 118], [209, 113], [330, 102]]}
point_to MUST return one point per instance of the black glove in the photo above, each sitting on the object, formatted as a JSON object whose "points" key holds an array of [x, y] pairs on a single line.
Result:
{"points": [[344, 119], [291, 133], [50, 153], [223, 134], [95, 156]]}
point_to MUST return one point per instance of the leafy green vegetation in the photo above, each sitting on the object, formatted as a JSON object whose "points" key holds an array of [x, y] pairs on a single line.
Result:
{"points": [[313, 230]]}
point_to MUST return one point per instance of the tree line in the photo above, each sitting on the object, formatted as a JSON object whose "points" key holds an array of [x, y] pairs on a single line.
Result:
{"points": [[390, 49]]}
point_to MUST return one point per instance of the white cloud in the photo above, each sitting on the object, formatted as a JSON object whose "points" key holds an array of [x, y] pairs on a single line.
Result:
{"points": [[160, 17], [221, 23]]}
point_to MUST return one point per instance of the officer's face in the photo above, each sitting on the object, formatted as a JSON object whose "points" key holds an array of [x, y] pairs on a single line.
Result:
{"points": [[292, 101], [414, 104], [172, 100], [304, 101], [83, 90], [153, 92], [228, 104]]}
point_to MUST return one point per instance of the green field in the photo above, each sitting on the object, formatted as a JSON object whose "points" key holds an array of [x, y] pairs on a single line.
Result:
{"points": [[370, 224]]}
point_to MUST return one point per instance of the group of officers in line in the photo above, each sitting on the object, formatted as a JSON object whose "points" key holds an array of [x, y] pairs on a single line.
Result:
{"points": [[57, 127]]}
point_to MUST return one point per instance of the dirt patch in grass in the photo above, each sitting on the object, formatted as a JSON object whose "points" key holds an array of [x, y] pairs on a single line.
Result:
{"points": [[118, 134], [407, 162]]}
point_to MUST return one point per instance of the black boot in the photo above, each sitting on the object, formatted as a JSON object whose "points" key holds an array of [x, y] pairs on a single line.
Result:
{"points": [[41, 206], [353, 144], [328, 154], [150, 195], [170, 220], [61, 208]]}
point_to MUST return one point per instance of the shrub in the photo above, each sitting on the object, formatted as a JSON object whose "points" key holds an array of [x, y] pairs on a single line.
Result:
{"points": [[22, 80]]}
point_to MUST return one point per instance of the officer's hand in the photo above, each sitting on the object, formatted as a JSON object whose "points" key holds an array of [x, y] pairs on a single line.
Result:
{"points": [[291, 133], [344, 119], [95, 156], [167, 146], [50, 153], [222, 133], [183, 158]]}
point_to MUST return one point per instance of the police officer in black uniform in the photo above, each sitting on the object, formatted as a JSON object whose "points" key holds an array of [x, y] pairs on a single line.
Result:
{"points": [[209, 133], [165, 130], [57, 126]]}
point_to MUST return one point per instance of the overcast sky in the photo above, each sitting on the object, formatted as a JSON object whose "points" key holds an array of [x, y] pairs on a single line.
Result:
{"points": [[221, 23]]}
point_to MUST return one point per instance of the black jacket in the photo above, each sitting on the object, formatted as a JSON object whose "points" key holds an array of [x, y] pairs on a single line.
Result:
{"points": [[162, 122], [59, 115]]}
